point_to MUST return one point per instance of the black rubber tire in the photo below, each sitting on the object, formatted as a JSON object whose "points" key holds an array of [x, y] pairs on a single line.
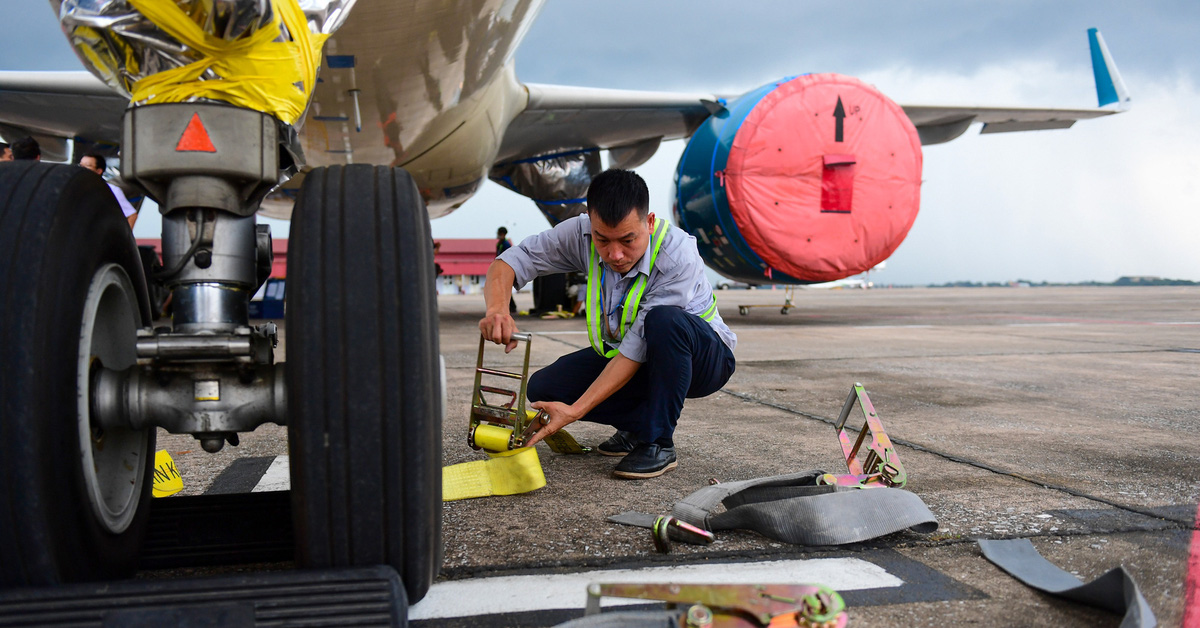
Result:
{"points": [[59, 225], [365, 411], [549, 293]]}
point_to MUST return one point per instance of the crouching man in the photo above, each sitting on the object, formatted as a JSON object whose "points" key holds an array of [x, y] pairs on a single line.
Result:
{"points": [[656, 336]]}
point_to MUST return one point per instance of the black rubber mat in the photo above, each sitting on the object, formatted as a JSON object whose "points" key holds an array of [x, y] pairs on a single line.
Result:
{"points": [[205, 530], [371, 596]]}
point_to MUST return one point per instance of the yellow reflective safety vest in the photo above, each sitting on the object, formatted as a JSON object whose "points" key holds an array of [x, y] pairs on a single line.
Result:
{"points": [[633, 297]]}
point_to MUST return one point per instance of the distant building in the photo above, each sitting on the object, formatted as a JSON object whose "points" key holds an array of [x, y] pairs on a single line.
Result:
{"points": [[464, 264]]}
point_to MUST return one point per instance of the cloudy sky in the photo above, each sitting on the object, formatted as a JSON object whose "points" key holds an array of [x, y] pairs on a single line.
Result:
{"points": [[1109, 197]]}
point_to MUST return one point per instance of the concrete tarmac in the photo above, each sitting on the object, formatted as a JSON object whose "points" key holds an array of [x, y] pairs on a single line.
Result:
{"points": [[1061, 415]]}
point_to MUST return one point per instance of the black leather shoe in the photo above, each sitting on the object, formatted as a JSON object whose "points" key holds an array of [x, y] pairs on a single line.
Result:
{"points": [[619, 444], [647, 460]]}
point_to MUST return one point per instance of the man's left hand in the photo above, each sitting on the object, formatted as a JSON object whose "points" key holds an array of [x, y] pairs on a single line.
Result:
{"points": [[561, 415]]}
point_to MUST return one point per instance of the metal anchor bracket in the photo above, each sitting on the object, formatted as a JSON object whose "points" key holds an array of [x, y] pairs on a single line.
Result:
{"points": [[881, 464], [736, 605]]}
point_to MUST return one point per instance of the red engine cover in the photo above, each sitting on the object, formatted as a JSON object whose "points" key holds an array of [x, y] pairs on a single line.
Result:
{"points": [[824, 177]]}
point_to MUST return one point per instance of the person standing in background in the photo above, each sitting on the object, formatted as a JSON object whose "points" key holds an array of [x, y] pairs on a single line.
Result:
{"points": [[97, 164], [503, 244], [26, 148]]}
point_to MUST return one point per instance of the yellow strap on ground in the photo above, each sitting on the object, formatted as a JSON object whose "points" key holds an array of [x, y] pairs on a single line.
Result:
{"points": [[167, 480], [256, 72], [504, 473]]}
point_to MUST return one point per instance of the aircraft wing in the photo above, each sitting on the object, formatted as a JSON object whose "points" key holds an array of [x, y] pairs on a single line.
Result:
{"points": [[54, 106], [937, 124], [561, 118], [78, 105]]}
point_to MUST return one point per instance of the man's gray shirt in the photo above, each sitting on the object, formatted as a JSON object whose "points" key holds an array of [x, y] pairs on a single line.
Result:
{"points": [[677, 280]]}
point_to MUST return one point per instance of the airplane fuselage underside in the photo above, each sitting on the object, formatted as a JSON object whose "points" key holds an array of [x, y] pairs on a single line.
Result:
{"points": [[427, 86]]}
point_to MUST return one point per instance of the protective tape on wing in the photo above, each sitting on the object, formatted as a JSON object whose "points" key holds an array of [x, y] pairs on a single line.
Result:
{"points": [[167, 480], [255, 72]]}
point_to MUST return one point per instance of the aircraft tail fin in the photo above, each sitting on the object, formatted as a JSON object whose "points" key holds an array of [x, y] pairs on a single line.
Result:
{"points": [[1110, 89]]}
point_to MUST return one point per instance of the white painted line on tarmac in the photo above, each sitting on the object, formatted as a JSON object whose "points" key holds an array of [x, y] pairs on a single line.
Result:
{"points": [[1041, 325], [515, 594], [276, 478], [892, 327]]}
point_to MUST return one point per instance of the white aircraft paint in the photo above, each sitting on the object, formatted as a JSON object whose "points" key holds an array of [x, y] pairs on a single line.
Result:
{"points": [[514, 594]]}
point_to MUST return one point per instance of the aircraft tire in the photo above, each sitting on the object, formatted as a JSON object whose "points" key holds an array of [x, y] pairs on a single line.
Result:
{"points": [[550, 293], [75, 499], [364, 402]]}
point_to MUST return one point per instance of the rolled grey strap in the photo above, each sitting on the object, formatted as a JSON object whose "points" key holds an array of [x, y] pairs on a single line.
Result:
{"points": [[793, 509], [698, 507], [631, 518], [1114, 591]]}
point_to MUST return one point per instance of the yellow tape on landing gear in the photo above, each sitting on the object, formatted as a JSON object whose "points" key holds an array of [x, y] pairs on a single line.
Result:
{"points": [[504, 473], [256, 72]]}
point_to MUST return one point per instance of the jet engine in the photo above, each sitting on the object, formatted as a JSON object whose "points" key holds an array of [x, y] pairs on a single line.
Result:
{"points": [[809, 179]]}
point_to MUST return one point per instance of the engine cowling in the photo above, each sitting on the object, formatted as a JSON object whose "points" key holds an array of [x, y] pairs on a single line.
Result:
{"points": [[809, 179]]}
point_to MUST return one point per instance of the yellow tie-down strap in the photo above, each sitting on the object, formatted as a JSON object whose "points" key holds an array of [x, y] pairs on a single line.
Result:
{"points": [[503, 473], [509, 472]]}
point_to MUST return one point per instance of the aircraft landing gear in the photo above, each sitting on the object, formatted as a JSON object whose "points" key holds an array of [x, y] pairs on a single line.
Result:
{"points": [[789, 293], [86, 381]]}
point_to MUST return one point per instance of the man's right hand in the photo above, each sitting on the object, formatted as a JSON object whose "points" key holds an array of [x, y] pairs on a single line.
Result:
{"points": [[499, 328]]}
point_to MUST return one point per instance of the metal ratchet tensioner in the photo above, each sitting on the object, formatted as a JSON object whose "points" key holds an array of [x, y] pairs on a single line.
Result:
{"points": [[736, 605], [504, 425], [881, 467]]}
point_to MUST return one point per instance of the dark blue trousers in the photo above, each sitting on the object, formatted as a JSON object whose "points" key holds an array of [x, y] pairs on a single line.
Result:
{"points": [[685, 359]]}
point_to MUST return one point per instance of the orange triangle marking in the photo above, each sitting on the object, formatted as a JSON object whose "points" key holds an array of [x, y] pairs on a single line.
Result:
{"points": [[195, 137]]}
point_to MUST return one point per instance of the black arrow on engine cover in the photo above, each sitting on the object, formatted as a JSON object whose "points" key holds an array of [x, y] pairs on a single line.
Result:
{"points": [[840, 114]]}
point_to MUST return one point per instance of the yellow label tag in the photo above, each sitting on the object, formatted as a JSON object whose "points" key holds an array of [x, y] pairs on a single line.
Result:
{"points": [[207, 390], [167, 480]]}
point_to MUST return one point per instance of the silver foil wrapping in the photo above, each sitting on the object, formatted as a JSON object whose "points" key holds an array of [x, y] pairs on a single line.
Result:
{"points": [[120, 46], [557, 183]]}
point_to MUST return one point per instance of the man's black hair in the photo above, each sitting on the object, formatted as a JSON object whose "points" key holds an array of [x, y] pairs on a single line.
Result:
{"points": [[100, 162], [502, 231], [26, 148], [614, 193]]}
